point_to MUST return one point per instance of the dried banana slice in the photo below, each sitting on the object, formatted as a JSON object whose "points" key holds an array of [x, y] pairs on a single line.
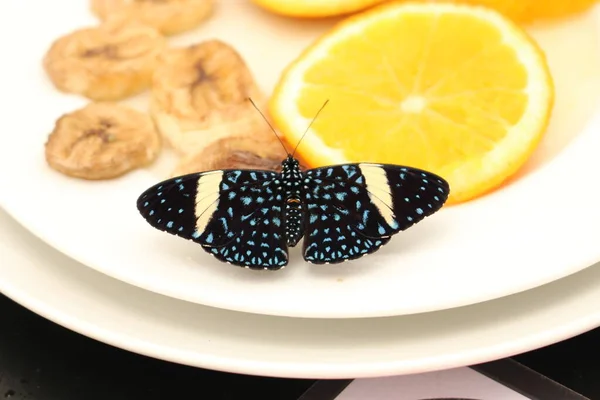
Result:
{"points": [[235, 152], [199, 95], [168, 16], [105, 63], [102, 141]]}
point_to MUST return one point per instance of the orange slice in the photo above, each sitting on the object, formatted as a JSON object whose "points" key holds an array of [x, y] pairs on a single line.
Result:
{"points": [[458, 90], [315, 8], [532, 10]]}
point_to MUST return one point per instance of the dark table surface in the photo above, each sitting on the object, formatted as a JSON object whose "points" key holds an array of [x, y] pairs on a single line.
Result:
{"points": [[40, 360]]}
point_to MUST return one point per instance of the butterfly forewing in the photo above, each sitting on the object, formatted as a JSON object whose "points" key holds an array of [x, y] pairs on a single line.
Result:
{"points": [[353, 209], [236, 215], [170, 205]]}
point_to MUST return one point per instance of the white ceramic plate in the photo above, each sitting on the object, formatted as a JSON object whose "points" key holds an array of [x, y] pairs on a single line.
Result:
{"points": [[125, 316], [543, 227]]}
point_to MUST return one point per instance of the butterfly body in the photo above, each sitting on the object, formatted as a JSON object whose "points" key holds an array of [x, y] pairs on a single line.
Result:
{"points": [[292, 182], [251, 218]]}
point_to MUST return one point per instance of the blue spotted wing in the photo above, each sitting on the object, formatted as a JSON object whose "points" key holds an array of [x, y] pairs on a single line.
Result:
{"points": [[353, 209], [235, 215]]}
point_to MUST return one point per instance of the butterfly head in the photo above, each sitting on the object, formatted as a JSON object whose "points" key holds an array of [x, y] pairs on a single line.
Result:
{"points": [[290, 164], [290, 167]]}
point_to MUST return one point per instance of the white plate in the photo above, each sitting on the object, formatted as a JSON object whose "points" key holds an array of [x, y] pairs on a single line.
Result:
{"points": [[125, 316], [543, 227]]}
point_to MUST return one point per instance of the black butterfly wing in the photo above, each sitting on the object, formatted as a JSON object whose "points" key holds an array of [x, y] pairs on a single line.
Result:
{"points": [[353, 209], [235, 215]]}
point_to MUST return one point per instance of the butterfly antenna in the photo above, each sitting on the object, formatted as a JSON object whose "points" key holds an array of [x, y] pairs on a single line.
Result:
{"points": [[270, 126], [309, 125]]}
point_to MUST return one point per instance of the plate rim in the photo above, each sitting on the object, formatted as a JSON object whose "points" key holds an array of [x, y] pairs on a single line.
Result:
{"points": [[92, 328]]}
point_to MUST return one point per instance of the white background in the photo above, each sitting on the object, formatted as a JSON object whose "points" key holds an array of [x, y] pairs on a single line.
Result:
{"points": [[463, 383]]}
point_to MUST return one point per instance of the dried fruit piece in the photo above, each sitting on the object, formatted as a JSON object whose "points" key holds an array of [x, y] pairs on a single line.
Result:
{"points": [[234, 152], [199, 95], [102, 141], [168, 16], [108, 62]]}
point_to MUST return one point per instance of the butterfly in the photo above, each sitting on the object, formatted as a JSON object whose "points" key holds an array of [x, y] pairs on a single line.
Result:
{"points": [[250, 218]]}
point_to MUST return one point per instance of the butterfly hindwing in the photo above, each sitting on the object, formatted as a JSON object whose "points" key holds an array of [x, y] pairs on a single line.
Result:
{"points": [[236, 215], [353, 209]]}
